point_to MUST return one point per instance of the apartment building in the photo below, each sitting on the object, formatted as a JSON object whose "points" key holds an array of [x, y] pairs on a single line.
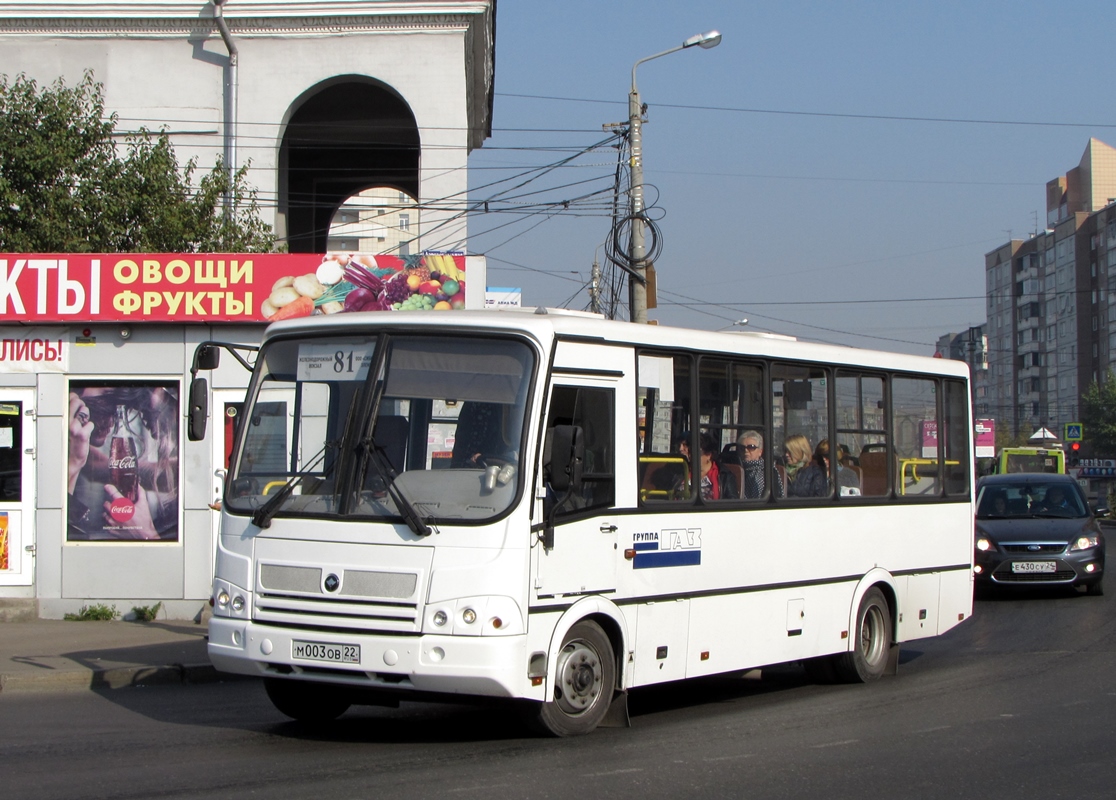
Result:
{"points": [[1050, 325]]}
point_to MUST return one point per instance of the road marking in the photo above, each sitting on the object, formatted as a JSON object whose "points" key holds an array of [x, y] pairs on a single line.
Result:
{"points": [[730, 758]]}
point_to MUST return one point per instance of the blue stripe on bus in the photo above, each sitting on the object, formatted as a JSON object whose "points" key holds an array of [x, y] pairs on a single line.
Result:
{"points": [[669, 558], [637, 546]]}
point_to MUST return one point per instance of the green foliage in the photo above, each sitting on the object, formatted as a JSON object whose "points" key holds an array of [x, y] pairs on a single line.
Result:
{"points": [[146, 613], [66, 187], [1004, 438], [99, 612], [1098, 415]]}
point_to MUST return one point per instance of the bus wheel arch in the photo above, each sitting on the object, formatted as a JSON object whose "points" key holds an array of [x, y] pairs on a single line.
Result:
{"points": [[585, 669], [873, 650]]}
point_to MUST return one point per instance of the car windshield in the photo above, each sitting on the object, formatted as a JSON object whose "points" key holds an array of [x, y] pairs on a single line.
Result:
{"points": [[1030, 498], [386, 427]]}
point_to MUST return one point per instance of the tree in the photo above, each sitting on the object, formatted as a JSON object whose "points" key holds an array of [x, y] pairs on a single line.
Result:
{"points": [[66, 187], [1098, 416]]}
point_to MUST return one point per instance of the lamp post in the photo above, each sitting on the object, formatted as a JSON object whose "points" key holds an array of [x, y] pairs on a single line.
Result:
{"points": [[638, 255]]}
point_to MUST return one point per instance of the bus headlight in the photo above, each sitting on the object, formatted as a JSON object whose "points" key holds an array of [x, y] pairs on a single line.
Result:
{"points": [[469, 616], [238, 604], [440, 618]]}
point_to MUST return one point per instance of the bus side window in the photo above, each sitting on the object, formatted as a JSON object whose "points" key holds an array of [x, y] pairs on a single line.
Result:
{"points": [[590, 409]]}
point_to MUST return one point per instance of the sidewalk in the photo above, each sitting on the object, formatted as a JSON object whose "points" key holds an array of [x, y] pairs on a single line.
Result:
{"points": [[55, 655]]}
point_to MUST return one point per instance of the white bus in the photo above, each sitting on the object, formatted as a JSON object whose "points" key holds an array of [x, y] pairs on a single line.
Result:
{"points": [[499, 505]]}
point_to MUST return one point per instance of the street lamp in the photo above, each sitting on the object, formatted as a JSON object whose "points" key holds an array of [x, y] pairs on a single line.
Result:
{"points": [[638, 281]]}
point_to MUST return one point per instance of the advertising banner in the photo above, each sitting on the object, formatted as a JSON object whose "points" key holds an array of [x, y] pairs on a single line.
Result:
{"points": [[226, 287], [928, 431], [985, 440], [34, 350], [123, 461], [5, 559]]}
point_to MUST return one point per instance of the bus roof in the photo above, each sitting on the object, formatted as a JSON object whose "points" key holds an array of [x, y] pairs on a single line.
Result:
{"points": [[546, 324]]}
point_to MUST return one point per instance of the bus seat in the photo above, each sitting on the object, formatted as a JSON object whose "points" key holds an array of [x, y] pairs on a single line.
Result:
{"points": [[390, 435], [737, 473], [873, 473]]}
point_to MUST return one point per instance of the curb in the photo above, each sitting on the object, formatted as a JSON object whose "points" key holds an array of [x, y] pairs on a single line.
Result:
{"points": [[113, 678]]}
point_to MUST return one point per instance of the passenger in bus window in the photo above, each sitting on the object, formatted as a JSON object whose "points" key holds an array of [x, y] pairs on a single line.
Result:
{"points": [[798, 453], [750, 444], [715, 485], [813, 481]]}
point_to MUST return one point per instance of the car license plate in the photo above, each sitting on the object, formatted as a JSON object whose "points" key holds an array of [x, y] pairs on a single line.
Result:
{"points": [[1034, 566], [324, 651]]}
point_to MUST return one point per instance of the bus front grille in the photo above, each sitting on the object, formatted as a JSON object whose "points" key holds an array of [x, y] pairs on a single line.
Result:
{"points": [[362, 599]]}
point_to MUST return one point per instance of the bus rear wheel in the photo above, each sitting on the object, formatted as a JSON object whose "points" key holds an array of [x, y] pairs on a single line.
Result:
{"points": [[312, 703], [583, 683], [867, 660]]}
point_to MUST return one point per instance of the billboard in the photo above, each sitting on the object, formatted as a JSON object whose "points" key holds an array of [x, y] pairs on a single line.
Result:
{"points": [[230, 287], [122, 458]]}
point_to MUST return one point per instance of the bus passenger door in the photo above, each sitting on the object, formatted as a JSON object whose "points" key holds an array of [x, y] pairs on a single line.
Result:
{"points": [[586, 528]]}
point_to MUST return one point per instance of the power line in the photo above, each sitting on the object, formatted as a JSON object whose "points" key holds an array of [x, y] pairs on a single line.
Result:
{"points": [[838, 115]]}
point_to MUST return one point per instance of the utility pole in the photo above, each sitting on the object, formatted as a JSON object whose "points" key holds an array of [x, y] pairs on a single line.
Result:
{"points": [[637, 281], [595, 288]]}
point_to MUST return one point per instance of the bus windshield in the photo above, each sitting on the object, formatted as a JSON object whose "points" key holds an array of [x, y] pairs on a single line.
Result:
{"points": [[383, 427]]}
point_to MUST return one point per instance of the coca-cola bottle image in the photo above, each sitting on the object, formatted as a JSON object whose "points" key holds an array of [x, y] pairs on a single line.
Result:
{"points": [[123, 456]]}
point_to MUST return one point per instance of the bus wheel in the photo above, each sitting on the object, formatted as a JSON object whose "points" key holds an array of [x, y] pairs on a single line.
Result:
{"points": [[312, 703], [584, 679], [872, 643]]}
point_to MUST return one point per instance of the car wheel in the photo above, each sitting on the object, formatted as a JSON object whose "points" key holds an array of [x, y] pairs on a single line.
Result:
{"points": [[583, 683], [312, 703], [867, 661], [1095, 589]]}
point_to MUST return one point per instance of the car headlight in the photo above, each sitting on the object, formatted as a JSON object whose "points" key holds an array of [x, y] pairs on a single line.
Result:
{"points": [[984, 544], [1084, 542]]}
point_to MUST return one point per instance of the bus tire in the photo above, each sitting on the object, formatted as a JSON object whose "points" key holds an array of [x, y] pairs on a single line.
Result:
{"points": [[583, 683], [821, 669], [867, 660], [312, 703]]}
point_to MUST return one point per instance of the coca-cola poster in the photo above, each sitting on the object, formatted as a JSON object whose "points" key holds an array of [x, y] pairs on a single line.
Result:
{"points": [[122, 473]]}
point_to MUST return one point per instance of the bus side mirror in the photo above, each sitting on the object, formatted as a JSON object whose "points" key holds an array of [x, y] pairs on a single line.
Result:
{"points": [[198, 413], [567, 457], [206, 357]]}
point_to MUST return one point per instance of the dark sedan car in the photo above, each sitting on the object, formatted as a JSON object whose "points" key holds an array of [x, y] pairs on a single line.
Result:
{"points": [[1034, 529]]}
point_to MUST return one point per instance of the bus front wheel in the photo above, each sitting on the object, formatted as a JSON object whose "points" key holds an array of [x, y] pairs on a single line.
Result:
{"points": [[312, 703], [583, 683], [867, 660]]}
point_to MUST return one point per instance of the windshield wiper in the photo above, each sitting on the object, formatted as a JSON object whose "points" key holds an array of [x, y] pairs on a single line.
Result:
{"points": [[263, 515], [374, 456]]}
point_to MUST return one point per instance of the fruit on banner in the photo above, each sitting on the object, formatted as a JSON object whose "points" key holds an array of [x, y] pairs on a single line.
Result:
{"points": [[346, 282]]}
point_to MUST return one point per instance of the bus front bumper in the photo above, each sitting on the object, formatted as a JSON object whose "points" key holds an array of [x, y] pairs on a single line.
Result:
{"points": [[490, 666]]}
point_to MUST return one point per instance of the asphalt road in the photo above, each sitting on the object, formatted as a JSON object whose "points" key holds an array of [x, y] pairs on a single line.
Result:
{"points": [[1015, 703]]}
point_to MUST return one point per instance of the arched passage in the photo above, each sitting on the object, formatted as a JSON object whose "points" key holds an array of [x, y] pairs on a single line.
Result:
{"points": [[343, 135]]}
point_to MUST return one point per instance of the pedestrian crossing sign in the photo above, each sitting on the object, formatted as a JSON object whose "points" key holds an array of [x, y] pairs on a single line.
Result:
{"points": [[1074, 432]]}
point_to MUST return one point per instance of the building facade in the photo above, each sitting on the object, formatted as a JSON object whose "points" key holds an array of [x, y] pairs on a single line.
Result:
{"points": [[1050, 325], [323, 102]]}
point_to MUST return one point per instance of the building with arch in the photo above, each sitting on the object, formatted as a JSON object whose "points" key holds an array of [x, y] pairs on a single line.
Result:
{"points": [[373, 104]]}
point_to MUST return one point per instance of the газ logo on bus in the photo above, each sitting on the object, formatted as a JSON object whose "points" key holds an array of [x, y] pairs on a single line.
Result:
{"points": [[673, 547]]}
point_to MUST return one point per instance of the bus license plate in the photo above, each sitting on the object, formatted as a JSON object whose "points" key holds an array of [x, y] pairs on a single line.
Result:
{"points": [[1034, 566], [323, 651]]}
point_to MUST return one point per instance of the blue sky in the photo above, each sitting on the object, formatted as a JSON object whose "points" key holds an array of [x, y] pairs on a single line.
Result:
{"points": [[789, 173]]}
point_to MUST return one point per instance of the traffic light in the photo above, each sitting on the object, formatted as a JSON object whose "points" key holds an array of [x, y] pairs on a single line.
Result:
{"points": [[1075, 447]]}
